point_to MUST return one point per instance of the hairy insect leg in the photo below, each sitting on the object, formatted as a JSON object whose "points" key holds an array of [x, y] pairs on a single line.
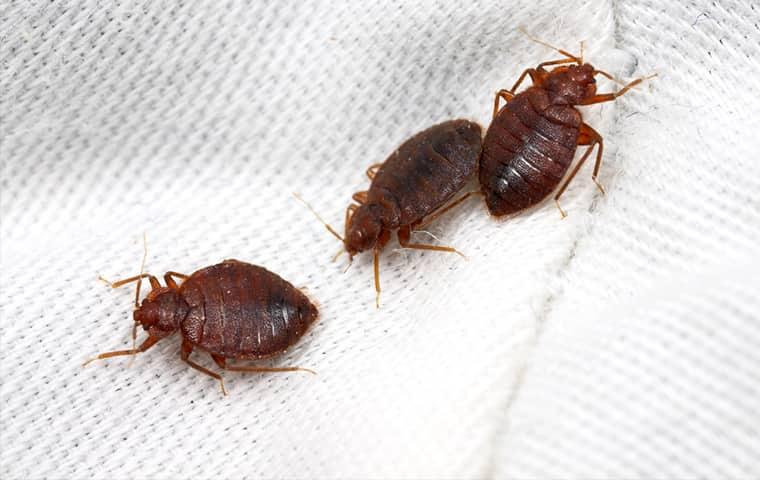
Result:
{"points": [[168, 278], [149, 342], [187, 348], [360, 197], [435, 215], [590, 137], [608, 97], [404, 234], [372, 170], [506, 95], [222, 362]]}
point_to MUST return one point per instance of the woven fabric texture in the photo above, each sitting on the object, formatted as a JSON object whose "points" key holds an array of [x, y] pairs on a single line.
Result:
{"points": [[618, 342]]}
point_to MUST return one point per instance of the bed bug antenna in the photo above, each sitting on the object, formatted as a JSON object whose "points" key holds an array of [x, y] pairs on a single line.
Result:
{"points": [[327, 225], [142, 270], [579, 60], [582, 45], [350, 262], [338, 254], [137, 296]]}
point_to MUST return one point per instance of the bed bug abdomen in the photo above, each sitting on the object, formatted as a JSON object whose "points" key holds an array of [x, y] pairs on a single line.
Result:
{"points": [[242, 311], [427, 170], [527, 151]]}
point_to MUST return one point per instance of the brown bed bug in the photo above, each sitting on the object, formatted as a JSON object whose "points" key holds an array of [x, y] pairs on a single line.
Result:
{"points": [[532, 140], [232, 310], [411, 189]]}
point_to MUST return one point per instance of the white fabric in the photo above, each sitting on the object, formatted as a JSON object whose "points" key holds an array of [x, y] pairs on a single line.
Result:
{"points": [[619, 342]]}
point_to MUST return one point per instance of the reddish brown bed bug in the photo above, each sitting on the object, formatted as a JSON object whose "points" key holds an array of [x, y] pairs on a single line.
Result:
{"points": [[532, 140], [232, 310], [411, 189]]}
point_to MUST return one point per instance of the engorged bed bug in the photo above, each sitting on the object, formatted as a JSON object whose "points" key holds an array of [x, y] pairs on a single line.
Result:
{"points": [[532, 140], [411, 189], [232, 310]]}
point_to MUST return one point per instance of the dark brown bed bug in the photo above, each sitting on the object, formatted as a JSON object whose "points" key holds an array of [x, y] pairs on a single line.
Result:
{"points": [[411, 189], [532, 140], [232, 310]]}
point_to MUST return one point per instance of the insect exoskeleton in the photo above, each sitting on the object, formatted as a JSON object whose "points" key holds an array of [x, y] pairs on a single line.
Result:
{"points": [[232, 311], [412, 188], [531, 142]]}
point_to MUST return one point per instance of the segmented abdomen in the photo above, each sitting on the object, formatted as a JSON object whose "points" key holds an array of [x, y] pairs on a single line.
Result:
{"points": [[428, 169], [239, 310], [527, 151]]}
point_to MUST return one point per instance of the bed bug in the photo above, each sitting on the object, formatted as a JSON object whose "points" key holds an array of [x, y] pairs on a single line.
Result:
{"points": [[531, 142], [411, 189], [232, 310]]}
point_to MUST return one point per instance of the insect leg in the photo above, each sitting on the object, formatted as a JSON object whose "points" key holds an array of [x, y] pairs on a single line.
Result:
{"points": [[506, 95], [435, 215], [533, 75], [120, 283], [589, 137], [360, 197], [557, 62], [372, 170], [170, 281], [608, 97], [403, 239], [350, 212], [187, 348], [149, 342], [137, 278], [222, 362]]}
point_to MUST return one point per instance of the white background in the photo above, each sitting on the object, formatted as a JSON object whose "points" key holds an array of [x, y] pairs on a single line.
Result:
{"points": [[619, 342]]}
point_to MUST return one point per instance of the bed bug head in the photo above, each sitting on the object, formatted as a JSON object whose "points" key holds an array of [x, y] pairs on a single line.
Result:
{"points": [[568, 84], [363, 229], [161, 312], [571, 85], [574, 84]]}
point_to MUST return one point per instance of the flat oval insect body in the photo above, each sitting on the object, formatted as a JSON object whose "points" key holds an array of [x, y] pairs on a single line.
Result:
{"points": [[530, 143], [424, 173], [411, 187], [242, 311], [232, 310], [527, 151]]}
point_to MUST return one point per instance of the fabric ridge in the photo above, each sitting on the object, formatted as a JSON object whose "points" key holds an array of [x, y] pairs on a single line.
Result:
{"points": [[619, 342]]}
